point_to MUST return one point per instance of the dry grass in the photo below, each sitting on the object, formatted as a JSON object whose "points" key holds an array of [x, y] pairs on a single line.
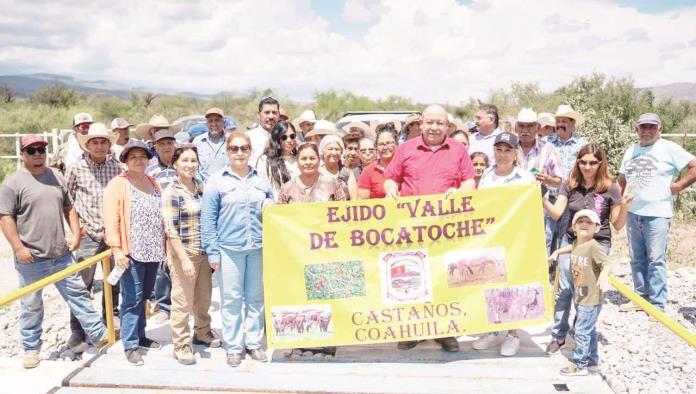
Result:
{"points": [[682, 241]]}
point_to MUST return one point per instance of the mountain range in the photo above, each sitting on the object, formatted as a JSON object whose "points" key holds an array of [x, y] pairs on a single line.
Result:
{"points": [[29, 83]]}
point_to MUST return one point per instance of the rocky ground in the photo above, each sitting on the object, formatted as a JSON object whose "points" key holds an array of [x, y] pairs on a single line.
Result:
{"points": [[637, 355]]}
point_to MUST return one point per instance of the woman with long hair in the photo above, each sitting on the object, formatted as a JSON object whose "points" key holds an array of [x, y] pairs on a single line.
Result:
{"points": [[190, 272], [233, 202], [589, 186], [279, 161], [371, 182]]}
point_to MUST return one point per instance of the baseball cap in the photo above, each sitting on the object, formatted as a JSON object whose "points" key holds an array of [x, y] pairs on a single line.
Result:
{"points": [[162, 134], [507, 138], [119, 123], [215, 111], [649, 118], [31, 139], [82, 117], [586, 213]]}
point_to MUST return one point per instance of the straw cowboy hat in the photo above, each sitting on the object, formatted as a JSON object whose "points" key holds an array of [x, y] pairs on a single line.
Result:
{"points": [[413, 118], [356, 125], [306, 116], [383, 122], [546, 119], [96, 130], [323, 127], [144, 130], [566, 111], [527, 115]]}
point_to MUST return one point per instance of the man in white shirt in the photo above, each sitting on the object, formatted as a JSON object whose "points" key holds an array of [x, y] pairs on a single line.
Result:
{"points": [[72, 152], [486, 130], [269, 112]]}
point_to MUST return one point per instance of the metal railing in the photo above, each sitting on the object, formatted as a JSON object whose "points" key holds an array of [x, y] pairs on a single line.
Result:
{"points": [[55, 139], [102, 257]]}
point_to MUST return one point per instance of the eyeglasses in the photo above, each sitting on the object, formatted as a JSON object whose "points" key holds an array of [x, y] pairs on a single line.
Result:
{"points": [[285, 137], [586, 163], [32, 151], [235, 149], [370, 150], [386, 144]]}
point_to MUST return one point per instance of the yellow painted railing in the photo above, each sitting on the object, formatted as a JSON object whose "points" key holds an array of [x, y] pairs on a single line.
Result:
{"points": [[51, 279], [651, 310]]}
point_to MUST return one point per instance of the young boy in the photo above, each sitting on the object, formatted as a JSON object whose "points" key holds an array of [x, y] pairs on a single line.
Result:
{"points": [[590, 267]]}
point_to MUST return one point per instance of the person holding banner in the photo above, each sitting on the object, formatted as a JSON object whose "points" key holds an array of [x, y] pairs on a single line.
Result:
{"points": [[431, 164], [279, 161], [589, 186], [231, 235], [505, 171], [371, 182]]}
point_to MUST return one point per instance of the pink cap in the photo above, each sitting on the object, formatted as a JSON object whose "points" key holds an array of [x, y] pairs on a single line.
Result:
{"points": [[31, 139]]}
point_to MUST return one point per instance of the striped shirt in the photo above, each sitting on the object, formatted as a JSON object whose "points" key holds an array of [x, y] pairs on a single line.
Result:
{"points": [[85, 182], [544, 157], [181, 210], [164, 174], [567, 153]]}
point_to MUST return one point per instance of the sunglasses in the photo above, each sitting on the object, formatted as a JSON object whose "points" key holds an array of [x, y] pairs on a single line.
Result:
{"points": [[84, 126], [235, 149], [285, 137], [32, 151], [588, 163]]}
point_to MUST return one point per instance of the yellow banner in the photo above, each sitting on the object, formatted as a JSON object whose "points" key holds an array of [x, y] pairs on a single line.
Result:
{"points": [[372, 271]]}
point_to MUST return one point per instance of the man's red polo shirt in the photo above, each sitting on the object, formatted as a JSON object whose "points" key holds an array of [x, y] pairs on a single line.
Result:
{"points": [[421, 170], [372, 178]]}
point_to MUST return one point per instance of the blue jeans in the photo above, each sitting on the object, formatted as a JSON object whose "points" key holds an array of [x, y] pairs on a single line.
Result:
{"points": [[564, 294], [240, 279], [71, 288], [137, 281], [89, 248], [163, 289], [586, 335], [647, 243]]}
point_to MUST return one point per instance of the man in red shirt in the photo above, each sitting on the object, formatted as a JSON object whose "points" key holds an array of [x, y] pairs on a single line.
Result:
{"points": [[430, 164]]}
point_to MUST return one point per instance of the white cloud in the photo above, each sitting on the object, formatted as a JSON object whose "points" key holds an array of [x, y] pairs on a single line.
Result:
{"points": [[435, 51]]}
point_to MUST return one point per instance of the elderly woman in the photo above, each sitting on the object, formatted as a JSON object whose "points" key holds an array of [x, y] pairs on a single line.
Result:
{"points": [[134, 229], [505, 171], [231, 235], [279, 161], [589, 186], [331, 152], [371, 182], [191, 275]]}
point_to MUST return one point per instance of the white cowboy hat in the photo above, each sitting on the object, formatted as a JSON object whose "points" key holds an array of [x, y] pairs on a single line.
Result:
{"points": [[323, 127], [144, 130], [96, 130], [546, 119], [527, 115], [566, 111], [306, 116], [356, 125]]}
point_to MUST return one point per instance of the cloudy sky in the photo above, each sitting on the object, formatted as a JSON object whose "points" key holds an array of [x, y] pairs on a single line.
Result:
{"points": [[432, 51]]}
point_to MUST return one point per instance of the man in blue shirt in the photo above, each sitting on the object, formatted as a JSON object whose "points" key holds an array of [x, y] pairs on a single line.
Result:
{"points": [[647, 173], [212, 156]]}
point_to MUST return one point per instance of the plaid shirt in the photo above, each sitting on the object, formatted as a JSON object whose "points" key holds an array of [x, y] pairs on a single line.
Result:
{"points": [[181, 210], [86, 181], [164, 174], [544, 157]]}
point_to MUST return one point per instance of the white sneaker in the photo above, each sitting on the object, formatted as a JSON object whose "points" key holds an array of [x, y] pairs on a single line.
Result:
{"points": [[486, 341], [510, 346]]}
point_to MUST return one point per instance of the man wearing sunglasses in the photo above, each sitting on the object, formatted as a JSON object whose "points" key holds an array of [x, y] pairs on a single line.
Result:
{"points": [[72, 151], [33, 204], [260, 135]]}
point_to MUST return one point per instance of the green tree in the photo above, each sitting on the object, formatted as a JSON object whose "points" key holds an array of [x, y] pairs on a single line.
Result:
{"points": [[56, 95]]}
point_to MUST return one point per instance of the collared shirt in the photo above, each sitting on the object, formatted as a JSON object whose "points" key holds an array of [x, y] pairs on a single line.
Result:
{"points": [[372, 178], [484, 143], [544, 157], [86, 181], [181, 210], [567, 150], [73, 151], [516, 177], [231, 212], [164, 174], [420, 169], [326, 188], [259, 137], [212, 155]]}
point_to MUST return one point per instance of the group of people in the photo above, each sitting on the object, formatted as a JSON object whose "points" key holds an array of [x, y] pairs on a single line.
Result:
{"points": [[174, 213]]}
